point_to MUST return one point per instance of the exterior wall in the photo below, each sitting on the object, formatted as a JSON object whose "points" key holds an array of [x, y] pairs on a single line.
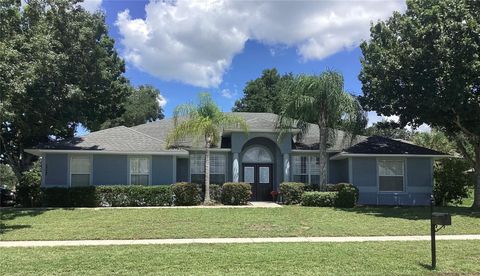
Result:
{"points": [[56, 170], [338, 171], [418, 182], [239, 139], [163, 169], [183, 169], [110, 169]]}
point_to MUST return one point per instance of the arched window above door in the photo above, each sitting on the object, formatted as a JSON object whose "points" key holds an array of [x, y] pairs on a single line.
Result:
{"points": [[257, 155]]}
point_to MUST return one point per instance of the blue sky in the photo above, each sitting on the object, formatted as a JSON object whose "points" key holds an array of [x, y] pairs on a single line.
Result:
{"points": [[186, 47]]}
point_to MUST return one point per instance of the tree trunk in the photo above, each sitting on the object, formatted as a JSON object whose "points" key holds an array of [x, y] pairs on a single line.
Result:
{"points": [[476, 191], [207, 174], [322, 147]]}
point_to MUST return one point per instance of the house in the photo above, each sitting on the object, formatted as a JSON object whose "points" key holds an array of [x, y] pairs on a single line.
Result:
{"points": [[386, 171]]}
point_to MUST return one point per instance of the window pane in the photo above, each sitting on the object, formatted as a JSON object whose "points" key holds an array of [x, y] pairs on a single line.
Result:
{"points": [[248, 175], [300, 178], [198, 178], [257, 155], [139, 166], [217, 164], [217, 179], [264, 175], [79, 180], [314, 165], [390, 168], [300, 164], [315, 179], [391, 183], [139, 179], [80, 165], [197, 164]]}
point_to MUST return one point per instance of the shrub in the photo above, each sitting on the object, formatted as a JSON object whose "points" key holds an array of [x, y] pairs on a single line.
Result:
{"points": [[56, 197], [347, 195], [186, 194], [451, 181], [83, 197], [319, 199], [291, 192], [131, 195], [216, 192], [28, 190], [236, 193]]}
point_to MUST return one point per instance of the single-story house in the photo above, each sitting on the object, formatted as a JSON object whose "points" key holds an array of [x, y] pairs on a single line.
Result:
{"points": [[386, 171]]}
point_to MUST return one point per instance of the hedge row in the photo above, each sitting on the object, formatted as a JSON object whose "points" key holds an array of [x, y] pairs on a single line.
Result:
{"points": [[179, 194], [342, 195]]}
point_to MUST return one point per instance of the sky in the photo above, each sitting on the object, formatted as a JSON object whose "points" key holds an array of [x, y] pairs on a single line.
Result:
{"points": [[185, 47]]}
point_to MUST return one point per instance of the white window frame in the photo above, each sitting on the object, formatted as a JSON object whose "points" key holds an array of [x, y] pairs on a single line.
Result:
{"points": [[201, 169], [311, 159], [404, 169], [149, 163], [70, 171]]}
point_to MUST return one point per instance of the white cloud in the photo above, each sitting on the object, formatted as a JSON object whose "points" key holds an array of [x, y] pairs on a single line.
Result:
{"points": [[374, 118], [227, 93], [91, 5], [195, 41], [162, 101]]}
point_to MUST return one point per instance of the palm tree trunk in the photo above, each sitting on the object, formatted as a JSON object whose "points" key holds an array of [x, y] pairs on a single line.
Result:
{"points": [[207, 174], [322, 147]]}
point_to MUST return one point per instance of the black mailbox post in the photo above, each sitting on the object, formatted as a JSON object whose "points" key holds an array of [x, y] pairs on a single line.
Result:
{"points": [[437, 219]]}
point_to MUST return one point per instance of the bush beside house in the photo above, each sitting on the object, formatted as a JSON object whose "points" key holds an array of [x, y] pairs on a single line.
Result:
{"points": [[236, 193], [185, 194], [291, 192], [319, 199]]}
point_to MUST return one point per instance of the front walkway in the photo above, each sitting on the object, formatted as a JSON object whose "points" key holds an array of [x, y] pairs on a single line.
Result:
{"points": [[233, 240]]}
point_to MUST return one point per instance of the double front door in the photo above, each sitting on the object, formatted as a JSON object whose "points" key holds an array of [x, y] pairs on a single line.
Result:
{"points": [[260, 178]]}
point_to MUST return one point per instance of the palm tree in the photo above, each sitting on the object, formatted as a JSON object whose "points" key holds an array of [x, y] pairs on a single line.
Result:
{"points": [[320, 100], [202, 122]]}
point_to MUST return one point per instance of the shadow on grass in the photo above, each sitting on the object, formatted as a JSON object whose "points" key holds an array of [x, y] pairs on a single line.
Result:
{"points": [[426, 266], [8, 214], [412, 213]]}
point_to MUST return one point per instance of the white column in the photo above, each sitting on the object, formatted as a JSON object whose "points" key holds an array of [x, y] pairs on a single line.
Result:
{"points": [[235, 168], [286, 167]]}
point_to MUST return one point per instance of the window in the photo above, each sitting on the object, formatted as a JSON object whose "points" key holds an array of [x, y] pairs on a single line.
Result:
{"points": [[306, 169], [257, 155], [139, 170], [80, 168], [217, 168], [390, 175]]}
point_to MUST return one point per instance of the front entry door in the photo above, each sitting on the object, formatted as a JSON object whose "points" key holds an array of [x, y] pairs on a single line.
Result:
{"points": [[260, 178]]}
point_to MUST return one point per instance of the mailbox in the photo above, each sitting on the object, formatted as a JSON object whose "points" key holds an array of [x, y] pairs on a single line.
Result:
{"points": [[441, 219]]}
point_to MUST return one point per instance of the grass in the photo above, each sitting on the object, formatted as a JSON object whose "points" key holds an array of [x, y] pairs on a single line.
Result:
{"points": [[381, 258], [74, 224]]}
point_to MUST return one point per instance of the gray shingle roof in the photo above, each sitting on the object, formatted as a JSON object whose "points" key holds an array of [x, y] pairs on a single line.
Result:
{"points": [[151, 137]]}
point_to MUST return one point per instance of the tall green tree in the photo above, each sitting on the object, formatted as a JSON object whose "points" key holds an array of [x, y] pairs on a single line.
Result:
{"points": [[320, 100], [142, 105], [424, 66], [451, 180], [263, 93], [389, 129], [203, 123], [7, 177], [58, 69]]}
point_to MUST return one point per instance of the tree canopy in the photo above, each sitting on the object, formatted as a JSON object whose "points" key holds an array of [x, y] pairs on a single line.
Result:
{"points": [[389, 129], [263, 94], [320, 100], [58, 69], [424, 66]]}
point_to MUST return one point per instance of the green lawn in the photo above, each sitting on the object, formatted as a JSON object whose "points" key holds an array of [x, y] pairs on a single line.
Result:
{"points": [[74, 224], [381, 258]]}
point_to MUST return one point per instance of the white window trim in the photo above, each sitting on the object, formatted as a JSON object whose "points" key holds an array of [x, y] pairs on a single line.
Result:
{"points": [[404, 164], [310, 159], [196, 153], [149, 158], [70, 157]]}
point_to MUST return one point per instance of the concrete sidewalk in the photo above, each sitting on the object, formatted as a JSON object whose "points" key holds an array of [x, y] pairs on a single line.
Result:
{"points": [[233, 240]]}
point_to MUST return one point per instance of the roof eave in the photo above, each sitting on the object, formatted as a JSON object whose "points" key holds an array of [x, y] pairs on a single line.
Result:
{"points": [[344, 155], [41, 152]]}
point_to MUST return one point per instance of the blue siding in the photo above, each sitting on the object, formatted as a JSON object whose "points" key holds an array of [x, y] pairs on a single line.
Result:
{"points": [[56, 170], [419, 182], [338, 171], [110, 169], [163, 170]]}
